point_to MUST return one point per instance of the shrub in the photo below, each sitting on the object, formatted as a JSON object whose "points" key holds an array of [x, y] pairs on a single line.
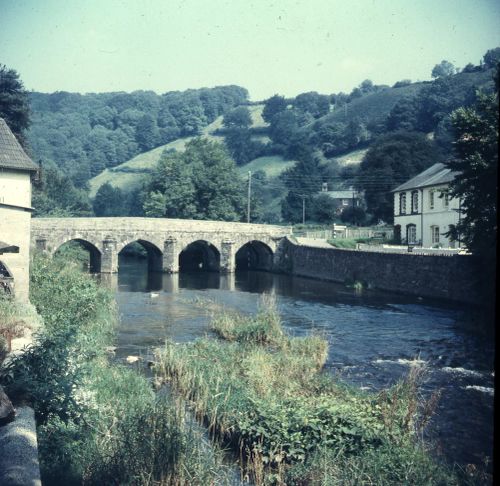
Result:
{"points": [[98, 422], [263, 394]]}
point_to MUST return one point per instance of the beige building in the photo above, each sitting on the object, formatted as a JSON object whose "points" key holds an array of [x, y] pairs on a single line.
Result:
{"points": [[16, 173], [423, 211]]}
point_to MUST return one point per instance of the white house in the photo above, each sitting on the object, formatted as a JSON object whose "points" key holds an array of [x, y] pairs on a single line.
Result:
{"points": [[16, 173], [423, 210]]}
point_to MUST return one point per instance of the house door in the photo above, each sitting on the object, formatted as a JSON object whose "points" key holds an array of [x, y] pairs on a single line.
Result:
{"points": [[411, 234]]}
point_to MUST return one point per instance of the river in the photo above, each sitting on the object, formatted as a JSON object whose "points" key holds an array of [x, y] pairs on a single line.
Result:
{"points": [[373, 337]]}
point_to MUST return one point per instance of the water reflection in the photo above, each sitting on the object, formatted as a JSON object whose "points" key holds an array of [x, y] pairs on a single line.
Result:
{"points": [[373, 336]]}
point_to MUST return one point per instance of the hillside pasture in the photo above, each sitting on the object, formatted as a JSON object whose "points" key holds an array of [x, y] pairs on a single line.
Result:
{"points": [[272, 165]]}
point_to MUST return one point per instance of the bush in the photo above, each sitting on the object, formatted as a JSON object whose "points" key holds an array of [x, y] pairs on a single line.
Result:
{"points": [[15, 320], [98, 422], [262, 394]]}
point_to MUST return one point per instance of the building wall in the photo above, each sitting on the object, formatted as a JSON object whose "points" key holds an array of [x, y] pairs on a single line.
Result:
{"points": [[444, 277], [15, 230], [15, 188], [439, 214]]}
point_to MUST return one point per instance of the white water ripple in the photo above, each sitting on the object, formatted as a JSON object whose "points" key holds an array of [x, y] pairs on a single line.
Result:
{"points": [[402, 361], [483, 389], [462, 371]]}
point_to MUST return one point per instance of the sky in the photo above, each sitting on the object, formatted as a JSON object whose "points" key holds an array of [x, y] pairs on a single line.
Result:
{"points": [[267, 46]]}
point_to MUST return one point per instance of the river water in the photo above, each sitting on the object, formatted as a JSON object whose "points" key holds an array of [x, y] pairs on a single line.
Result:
{"points": [[373, 338]]}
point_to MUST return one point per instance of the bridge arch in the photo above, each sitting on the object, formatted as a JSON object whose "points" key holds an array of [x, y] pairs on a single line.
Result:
{"points": [[95, 254], [199, 255], [254, 255], [154, 254]]}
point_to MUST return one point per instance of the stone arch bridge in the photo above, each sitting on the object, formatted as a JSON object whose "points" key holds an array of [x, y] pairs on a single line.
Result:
{"points": [[171, 244]]}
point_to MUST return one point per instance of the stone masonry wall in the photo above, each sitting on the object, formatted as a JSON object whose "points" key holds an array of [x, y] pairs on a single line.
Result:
{"points": [[443, 277]]}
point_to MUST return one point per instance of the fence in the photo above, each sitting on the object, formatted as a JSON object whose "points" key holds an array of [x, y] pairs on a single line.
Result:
{"points": [[346, 232]]}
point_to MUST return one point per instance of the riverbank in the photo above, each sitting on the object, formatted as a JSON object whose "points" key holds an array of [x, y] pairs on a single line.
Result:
{"points": [[262, 393], [87, 407]]}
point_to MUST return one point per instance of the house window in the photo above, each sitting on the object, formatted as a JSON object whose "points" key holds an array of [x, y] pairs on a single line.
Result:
{"points": [[411, 234], [446, 200], [414, 202], [431, 199], [402, 203], [434, 234]]}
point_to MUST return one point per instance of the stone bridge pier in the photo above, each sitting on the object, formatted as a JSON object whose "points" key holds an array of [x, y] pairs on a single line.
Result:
{"points": [[171, 245]]}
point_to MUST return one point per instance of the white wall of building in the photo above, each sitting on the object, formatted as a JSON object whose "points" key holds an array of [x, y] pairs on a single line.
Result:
{"points": [[15, 226], [438, 214], [15, 188]]}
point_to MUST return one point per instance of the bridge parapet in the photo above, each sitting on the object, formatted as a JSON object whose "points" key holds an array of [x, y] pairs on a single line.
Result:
{"points": [[164, 239]]}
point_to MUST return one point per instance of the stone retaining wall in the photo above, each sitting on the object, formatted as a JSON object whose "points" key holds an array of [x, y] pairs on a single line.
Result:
{"points": [[444, 277]]}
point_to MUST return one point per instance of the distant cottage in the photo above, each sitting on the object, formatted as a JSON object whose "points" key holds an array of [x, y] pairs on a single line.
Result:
{"points": [[345, 198], [16, 173], [423, 210]]}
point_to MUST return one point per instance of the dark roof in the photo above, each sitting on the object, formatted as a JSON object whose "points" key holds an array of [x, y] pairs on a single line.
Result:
{"points": [[12, 155], [6, 248], [433, 176]]}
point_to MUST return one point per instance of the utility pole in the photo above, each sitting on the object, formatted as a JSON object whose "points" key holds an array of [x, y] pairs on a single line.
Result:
{"points": [[303, 209], [353, 209], [249, 194]]}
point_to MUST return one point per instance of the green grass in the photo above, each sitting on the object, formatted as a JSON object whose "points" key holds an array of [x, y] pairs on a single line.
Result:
{"points": [[374, 107], [127, 176], [353, 157], [346, 243], [256, 114], [99, 422], [263, 394], [272, 165]]}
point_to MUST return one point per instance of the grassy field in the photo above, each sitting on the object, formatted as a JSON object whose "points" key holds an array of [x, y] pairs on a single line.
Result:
{"points": [[351, 158], [127, 176], [272, 165]]}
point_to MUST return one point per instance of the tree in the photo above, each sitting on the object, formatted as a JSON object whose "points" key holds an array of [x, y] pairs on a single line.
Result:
{"points": [[14, 103], [391, 160], [313, 103], [492, 58], [403, 115], [274, 105], [56, 196], [476, 160], [284, 126], [324, 208], [356, 215], [238, 118], [303, 182], [199, 183], [443, 69], [241, 146], [109, 201], [476, 147], [147, 133]]}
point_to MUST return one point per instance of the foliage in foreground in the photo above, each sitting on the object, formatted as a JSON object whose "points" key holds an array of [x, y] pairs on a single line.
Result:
{"points": [[476, 159], [15, 320], [263, 393], [98, 422]]}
